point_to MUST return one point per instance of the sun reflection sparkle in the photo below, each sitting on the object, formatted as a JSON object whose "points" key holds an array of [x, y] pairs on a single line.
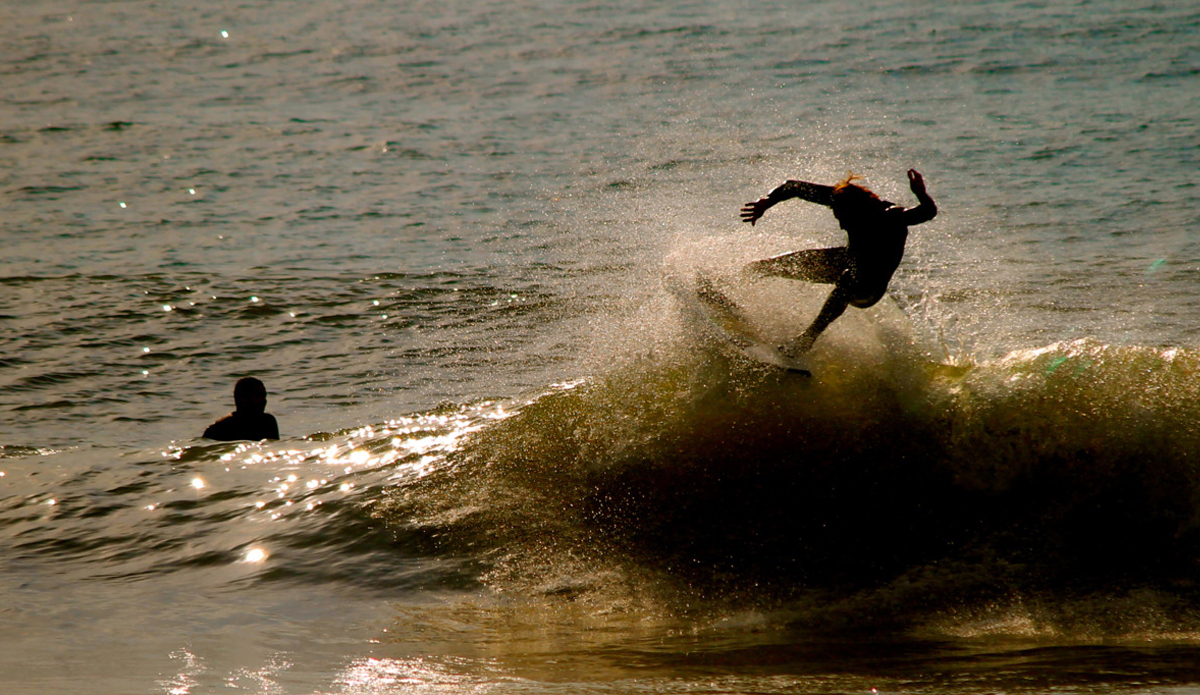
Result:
{"points": [[372, 675], [255, 555]]}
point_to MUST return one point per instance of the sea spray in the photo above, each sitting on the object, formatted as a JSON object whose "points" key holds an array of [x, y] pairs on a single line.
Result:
{"points": [[896, 493]]}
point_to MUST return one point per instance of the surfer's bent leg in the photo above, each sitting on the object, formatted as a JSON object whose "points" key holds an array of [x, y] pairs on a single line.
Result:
{"points": [[811, 265], [833, 308]]}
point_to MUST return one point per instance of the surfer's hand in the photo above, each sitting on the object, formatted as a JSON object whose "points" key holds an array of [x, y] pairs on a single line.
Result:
{"points": [[752, 211], [916, 182]]}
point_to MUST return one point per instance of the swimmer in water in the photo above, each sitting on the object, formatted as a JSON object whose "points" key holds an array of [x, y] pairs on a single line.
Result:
{"points": [[859, 271], [250, 420]]}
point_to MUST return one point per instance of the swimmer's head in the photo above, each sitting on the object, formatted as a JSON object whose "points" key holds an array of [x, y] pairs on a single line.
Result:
{"points": [[853, 203], [249, 394]]}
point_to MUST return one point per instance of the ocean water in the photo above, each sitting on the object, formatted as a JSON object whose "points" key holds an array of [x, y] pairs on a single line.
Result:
{"points": [[511, 462]]}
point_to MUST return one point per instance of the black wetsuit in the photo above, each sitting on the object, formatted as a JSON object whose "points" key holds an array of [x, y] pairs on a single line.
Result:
{"points": [[239, 425], [859, 271], [865, 265]]}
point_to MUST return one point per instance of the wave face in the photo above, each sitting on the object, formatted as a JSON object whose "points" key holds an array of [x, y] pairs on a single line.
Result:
{"points": [[1048, 490]]}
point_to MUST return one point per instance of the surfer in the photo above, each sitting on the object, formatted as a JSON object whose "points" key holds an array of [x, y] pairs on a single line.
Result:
{"points": [[859, 271], [249, 421]]}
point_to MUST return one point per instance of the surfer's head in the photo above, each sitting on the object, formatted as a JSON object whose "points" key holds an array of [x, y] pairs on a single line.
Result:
{"points": [[854, 203], [250, 395]]}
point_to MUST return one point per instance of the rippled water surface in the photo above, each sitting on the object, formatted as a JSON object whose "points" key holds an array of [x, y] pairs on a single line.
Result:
{"points": [[510, 461]]}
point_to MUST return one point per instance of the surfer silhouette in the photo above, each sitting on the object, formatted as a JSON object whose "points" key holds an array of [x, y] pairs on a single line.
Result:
{"points": [[249, 421], [859, 271]]}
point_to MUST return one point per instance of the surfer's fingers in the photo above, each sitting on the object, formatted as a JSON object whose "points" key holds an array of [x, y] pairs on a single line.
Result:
{"points": [[753, 211], [915, 180]]}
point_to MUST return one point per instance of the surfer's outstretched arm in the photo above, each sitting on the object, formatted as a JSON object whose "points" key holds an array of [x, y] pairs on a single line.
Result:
{"points": [[812, 192], [926, 209]]}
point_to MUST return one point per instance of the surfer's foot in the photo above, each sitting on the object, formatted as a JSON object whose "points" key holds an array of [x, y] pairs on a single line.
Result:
{"points": [[796, 348], [755, 270], [789, 351]]}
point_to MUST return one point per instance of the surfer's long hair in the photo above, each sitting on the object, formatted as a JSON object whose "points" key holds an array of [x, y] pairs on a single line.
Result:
{"points": [[853, 201]]}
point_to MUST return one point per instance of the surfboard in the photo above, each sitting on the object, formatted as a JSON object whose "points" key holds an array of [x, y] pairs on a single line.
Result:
{"points": [[727, 322]]}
